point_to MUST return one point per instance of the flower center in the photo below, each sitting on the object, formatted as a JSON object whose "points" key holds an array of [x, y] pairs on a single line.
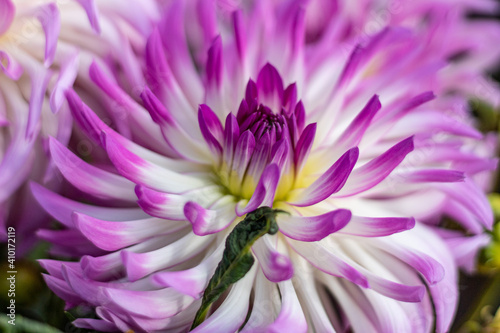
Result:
{"points": [[262, 120], [261, 146]]}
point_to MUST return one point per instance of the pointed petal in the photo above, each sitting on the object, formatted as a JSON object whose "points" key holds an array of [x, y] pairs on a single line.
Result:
{"points": [[90, 8], [377, 169], [270, 87], [192, 281], [139, 265], [143, 172], [313, 228], [213, 220], [48, 15], [62, 208], [89, 179], [214, 64], [170, 206], [354, 133], [66, 78], [211, 128], [276, 266], [377, 226], [10, 66], [7, 14], [291, 317], [160, 304], [329, 262], [304, 145], [264, 192], [113, 235], [328, 183]]}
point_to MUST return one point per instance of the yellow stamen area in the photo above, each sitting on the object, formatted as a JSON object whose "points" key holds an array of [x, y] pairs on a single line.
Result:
{"points": [[244, 188]]}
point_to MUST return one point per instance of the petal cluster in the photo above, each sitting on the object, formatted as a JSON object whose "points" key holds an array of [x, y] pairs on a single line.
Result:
{"points": [[44, 47], [363, 136]]}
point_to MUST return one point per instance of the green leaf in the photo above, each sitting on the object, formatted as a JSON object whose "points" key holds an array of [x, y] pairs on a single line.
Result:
{"points": [[237, 258]]}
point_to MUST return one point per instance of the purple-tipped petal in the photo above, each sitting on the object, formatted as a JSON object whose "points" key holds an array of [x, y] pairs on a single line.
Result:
{"points": [[39, 82], [95, 325], [7, 13], [192, 281], [67, 77], [472, 198], [49, 17], [63, 291], [275, 265], [210, 221], [231, 136], [214, 64], [377, 169], [304, 145], [143, 172], [377, 226], [90, 8], [112, 235], [291, 317], [430, 268], [92, 180], [170, 206], [329, 262], [434, 176], [211, 128], [270, 87], [397, 291], [264, 192], [243, 153], [328, 183], [313, 228], [354, 133], [139, 265], [62, 208], [163, 303]]}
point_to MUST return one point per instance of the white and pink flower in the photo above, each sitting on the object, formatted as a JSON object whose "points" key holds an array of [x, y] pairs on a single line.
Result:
{"points": [[364, 138]]}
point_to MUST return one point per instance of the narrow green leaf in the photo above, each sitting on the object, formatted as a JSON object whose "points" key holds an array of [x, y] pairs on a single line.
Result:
{"points": [[237, 258]]}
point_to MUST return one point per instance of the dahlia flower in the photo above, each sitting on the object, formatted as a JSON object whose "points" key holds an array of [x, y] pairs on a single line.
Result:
{"points": [[43, 46], [362, 136]]}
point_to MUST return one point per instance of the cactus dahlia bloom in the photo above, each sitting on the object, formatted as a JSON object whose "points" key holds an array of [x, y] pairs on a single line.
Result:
{"points": [[261, 105], [41, 46]]}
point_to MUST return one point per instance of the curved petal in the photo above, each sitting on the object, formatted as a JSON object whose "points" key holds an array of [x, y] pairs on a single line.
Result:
{"points": [[213, 220], [377, 169], [113, 235], [377, 226], [7, 13], [89, 179], [139, 265], [275, 265], [328, 183], [313, 228], [264, 192], [49, 17], [146, 173]]}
